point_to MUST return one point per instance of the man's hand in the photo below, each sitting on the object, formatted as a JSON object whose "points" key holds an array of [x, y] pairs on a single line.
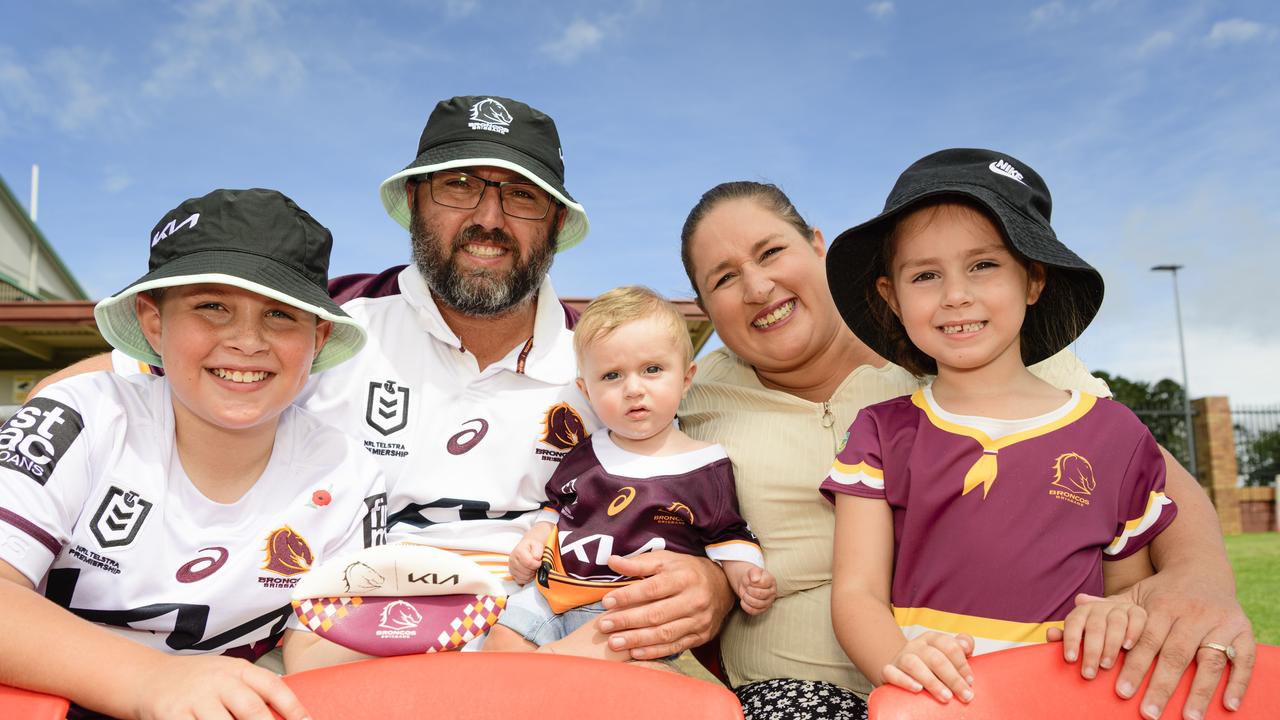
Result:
{"points": [[1181, 617], [680, 604]]}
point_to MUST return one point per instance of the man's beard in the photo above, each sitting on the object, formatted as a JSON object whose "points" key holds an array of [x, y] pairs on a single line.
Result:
{"points": [[479, 291]]}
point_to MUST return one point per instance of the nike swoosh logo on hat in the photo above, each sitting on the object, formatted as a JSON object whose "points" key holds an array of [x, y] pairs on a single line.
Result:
{"points": [[1002, 167]]}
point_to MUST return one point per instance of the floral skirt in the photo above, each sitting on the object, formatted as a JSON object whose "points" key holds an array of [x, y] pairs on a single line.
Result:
{"points": [[786, 699]]}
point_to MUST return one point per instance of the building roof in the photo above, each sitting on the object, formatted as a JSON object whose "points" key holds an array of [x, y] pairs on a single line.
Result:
{"points": [[10, 205]]}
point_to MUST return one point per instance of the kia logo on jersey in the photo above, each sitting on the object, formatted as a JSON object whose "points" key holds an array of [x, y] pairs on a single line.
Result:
{"points": [[203, 566], [119, 517], [388, 408]]}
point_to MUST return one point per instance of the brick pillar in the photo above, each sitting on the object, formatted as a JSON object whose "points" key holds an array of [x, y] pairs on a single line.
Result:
{"points": [[1216, 459]]}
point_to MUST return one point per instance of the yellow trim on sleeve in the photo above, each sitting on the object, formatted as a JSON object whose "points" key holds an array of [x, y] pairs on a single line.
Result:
{"points": [[861, 467]]}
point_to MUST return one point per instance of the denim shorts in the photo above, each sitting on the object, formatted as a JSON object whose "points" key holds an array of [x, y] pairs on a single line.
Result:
{"points": [[528, 614]]}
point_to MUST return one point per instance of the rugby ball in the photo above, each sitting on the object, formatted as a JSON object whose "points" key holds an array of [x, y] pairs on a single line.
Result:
{"points": [[399, 599]]}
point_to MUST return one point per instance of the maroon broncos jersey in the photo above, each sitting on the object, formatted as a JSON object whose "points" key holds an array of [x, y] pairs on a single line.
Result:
{"points": [[608, 501], [994, 537]]}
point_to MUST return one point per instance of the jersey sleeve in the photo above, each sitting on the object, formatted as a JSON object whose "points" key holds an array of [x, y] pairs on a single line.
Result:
{"points": [[859, 467], [45, 476], [727, 536], [1144, 508]]}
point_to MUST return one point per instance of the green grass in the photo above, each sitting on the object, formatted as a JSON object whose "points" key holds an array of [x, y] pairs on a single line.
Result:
{"points": [[1256, 560]]}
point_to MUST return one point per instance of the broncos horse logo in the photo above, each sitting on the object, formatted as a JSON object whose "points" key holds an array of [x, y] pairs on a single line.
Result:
{"points": [[563, 427], [491, 111], [1074, 473], [288, 553]]}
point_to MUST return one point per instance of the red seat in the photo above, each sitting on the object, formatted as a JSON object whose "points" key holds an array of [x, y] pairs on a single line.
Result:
{"points": [[16, 703], [1035, 682], [470, 686]]}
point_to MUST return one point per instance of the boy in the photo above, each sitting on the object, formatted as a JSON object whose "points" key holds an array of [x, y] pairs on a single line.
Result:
{"points": [[641, 485], [162, 524]]}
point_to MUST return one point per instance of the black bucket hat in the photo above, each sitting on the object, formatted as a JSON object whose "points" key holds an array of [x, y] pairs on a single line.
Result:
{"points": [[257, 240], [1018, 201], [474, 130]]}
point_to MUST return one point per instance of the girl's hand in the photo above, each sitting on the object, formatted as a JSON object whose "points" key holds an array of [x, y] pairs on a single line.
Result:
{"points": [[936, 662], [1106, 626], [756, 590], [215, 686], [524, 560]]}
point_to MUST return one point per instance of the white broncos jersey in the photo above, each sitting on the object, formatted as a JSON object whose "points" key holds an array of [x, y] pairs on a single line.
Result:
{"points": [[467, 453], [95, 509]]}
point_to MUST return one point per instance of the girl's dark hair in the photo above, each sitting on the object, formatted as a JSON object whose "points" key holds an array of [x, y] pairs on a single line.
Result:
{"points": [[1069, 320], [767, 195]]}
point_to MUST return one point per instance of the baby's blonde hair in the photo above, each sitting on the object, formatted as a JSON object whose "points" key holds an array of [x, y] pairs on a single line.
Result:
{"points": [[620, 306]]}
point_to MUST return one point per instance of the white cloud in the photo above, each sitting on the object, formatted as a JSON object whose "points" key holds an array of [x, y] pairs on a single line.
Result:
{"points": [[1235, 31], [1155, 43], [881, 9], [1048, 13], [116, 181], [235, 47], [579, 37], [66, 88], [460, 8]]}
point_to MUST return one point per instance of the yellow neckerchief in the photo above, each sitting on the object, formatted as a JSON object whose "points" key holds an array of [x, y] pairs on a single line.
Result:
{"points": [[984, 469]]}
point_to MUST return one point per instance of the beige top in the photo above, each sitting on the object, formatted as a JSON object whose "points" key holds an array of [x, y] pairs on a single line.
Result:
{"points": [[782, 447]]}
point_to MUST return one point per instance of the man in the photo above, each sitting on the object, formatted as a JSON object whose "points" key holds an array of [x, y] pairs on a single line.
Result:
{"points": [[466, 391]]}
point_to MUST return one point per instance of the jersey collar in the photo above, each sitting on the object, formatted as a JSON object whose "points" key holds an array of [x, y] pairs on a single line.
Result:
{"points": [[550, 359]]}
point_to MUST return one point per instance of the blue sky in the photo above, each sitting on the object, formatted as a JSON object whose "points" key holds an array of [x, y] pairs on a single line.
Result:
{"points": [[1154, 123]]}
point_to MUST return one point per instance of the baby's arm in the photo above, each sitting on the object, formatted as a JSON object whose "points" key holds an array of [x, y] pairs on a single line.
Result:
{"points": [[863, 620], [527, 555], [1106, 625], [755, 586], [45, 648]]}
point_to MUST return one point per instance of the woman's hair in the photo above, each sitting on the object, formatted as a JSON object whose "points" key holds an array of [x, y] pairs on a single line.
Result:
{"points": [[620, 306], [1067, 325], [767, 195]]}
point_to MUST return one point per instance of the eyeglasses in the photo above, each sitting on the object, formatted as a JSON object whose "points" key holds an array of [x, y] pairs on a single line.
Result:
{"points": [[459, 190]]}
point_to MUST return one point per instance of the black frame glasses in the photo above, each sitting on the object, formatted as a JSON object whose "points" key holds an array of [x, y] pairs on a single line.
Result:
{"points": [[517, 198]]}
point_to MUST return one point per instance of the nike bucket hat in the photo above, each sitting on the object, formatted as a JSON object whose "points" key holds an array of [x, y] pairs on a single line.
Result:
{"points": [[1018, 201], [256, 240]]}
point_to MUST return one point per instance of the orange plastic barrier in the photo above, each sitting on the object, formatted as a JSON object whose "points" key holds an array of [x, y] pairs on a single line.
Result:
{"points": [[16, 703], [510, 686], [1035, 682]]}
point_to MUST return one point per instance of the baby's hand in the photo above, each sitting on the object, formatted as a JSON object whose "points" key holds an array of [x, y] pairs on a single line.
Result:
{"points": [[935, 662], [1106, 625], [756, 590], [524, 560], [215, 686]]}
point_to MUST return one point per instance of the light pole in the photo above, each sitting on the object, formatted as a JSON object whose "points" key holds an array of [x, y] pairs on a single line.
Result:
{"points": [[1182, 350]]}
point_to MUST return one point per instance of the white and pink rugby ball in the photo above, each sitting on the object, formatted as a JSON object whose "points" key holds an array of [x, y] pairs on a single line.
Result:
{"points": [[399, 599]]}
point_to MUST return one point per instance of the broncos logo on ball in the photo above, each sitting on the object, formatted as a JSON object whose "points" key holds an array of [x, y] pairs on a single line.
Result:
{"points": [[288, 553], [563, 428], [491, 111]]}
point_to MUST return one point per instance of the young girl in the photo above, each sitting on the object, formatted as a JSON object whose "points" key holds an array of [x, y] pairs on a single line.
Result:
{"points": [[972, 513], [151, 530]]}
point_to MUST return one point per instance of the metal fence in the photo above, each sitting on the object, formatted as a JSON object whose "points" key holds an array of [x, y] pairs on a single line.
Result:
{"points": [[1257, 443]]}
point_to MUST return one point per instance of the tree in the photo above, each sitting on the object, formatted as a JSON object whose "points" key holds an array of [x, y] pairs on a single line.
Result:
{"points": [[1259, 456]]}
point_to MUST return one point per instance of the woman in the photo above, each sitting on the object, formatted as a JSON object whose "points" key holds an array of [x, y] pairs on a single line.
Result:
{"points": [[780, 396]]}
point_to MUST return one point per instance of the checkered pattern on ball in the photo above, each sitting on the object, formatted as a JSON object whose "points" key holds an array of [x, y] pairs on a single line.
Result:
{"points": [[320, 613]]}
